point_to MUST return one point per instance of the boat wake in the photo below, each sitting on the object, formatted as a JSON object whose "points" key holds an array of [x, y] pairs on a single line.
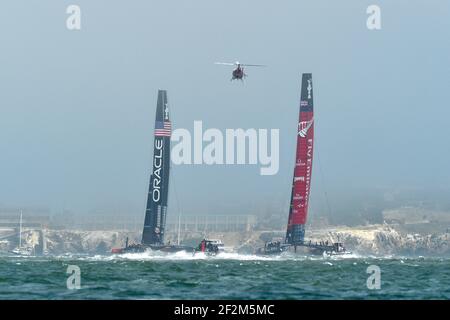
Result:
{"points": [[183, 255], [180, 256]]}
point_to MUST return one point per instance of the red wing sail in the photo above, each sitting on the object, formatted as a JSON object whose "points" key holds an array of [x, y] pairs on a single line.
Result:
{"points": [[301, 183]]}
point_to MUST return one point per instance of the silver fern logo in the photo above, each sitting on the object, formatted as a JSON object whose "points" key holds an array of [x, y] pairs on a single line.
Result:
{"points": [[303, 127]]}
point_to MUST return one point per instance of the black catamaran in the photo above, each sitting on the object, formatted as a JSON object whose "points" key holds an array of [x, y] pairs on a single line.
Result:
{"points": [[301, 184], [158, 191]]}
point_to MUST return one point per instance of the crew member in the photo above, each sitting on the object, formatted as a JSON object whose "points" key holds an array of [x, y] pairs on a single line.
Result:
{"points": [[203, 246]]}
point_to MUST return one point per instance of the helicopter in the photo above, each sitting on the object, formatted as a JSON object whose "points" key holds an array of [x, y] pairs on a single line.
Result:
{"points": [[238, 73]]}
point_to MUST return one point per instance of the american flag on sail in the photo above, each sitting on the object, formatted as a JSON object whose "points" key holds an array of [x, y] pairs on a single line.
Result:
{"points": [[163, 128]]}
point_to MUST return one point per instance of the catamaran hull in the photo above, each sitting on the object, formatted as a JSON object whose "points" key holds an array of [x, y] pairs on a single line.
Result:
{"points": [[143, 248], [308, 250], [304, 249], [290, 249]]}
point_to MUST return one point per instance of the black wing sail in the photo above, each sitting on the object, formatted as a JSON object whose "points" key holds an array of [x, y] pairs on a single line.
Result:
{"points": [[155, 214]]}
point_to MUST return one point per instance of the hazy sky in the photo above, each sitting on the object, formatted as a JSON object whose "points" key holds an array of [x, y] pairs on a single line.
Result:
{"points": [[77, 107]]}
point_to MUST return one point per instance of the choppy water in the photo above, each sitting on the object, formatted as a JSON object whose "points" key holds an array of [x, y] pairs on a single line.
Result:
{"points": [[230, 276]]}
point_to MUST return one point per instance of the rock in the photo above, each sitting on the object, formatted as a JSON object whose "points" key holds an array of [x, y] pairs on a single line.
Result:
{"points": [[366, 240]]}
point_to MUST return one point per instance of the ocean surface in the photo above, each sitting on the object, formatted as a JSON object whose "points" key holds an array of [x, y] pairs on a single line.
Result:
{"points": [[226, 276]]}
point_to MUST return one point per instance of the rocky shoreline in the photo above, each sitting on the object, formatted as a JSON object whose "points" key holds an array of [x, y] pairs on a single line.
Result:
{"points": [[377, 240]]}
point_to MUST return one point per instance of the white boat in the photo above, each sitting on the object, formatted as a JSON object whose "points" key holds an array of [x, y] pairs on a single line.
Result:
{"points": [[22, 251]]}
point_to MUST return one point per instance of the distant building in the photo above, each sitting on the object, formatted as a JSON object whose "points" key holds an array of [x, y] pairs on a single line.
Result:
{"points": [[29, 220], [212, 223], [408, 215], [98, 221], [127, 221]]}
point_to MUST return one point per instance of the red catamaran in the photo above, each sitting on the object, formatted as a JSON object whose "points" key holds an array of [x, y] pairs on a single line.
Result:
{"points": [[301, 184]]}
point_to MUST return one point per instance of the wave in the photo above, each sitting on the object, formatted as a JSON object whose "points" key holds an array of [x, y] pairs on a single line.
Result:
{"points": [[188, 256]]}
